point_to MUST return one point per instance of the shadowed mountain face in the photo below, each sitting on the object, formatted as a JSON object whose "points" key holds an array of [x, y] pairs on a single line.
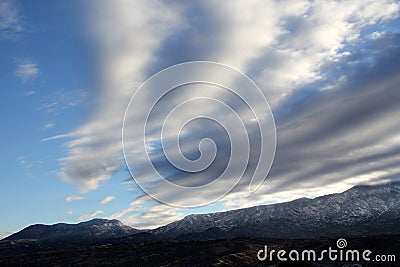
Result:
{"points": [[359, 210], [93, 229], [41, 237]]}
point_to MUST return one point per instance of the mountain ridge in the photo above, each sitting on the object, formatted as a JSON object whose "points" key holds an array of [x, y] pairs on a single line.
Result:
{"points": [[363, 209], [371, 208], [96, 229]]}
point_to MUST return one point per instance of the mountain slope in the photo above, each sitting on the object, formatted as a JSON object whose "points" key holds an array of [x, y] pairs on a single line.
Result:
{"points": [[359, 210], [93, 229], [41, 237]]}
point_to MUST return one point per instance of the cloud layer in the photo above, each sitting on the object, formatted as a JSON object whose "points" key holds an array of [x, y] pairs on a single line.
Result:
{"points": [[327, 68]]}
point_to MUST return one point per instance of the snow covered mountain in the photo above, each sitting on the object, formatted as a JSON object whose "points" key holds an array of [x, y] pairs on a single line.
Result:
{"points": [[359, 210]]}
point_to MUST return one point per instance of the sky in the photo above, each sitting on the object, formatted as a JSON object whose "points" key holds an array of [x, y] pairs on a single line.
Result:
{"points": [[328, 69]]}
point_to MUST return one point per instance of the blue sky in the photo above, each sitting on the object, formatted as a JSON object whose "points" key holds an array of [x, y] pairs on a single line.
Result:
{"points": [[68, 68]]}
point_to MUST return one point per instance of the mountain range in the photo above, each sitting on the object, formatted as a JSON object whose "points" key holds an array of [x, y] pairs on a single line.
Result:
{"points": [[361, 210]]}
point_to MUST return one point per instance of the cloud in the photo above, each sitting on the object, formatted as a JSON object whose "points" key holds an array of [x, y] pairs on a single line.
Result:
{"points": [[69, 212], [90, 215], [21, 160], [48, 126], [24, 162], [61, 136], [153, 217], [346, 132], [74, 198], [107, 199], [295, 57], [325, 32], [95, 152], [135, 206], [27, 71], [10, 19], [60, 100], [331, 84], [28, 93]]}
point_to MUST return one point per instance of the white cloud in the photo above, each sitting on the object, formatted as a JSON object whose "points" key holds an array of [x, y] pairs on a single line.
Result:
{"points": [[129, 34], [10, 20], [90, 215], [28, 93], [74, 198], [153, 217], [312, 39], [122, 213], [48, 126], [107, 199], [135, 206], [56, 137], [69, 212], [27, 71]]}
